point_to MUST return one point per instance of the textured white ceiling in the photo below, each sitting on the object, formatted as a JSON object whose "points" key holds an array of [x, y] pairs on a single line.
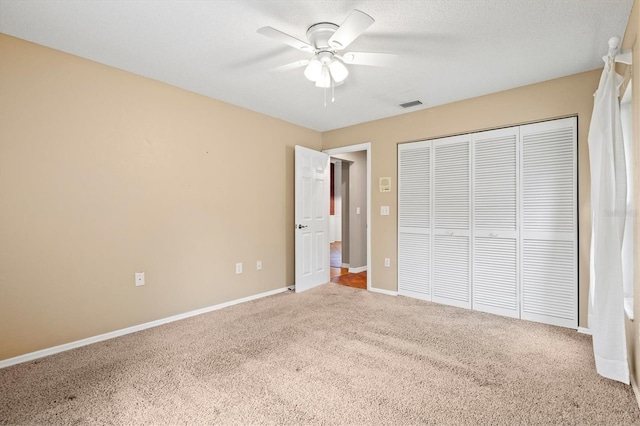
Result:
{"points": [[448, 50]]}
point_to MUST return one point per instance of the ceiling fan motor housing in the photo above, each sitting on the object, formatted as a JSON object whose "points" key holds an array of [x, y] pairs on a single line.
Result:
{"points": [[319, 35]]}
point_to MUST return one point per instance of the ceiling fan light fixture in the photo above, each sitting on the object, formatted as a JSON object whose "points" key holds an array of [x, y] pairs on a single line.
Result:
{"points": [[313, 70], [338, 71], [324, 81]]}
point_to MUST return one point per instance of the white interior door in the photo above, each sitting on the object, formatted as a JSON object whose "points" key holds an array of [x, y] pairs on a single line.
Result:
{"points": [[312, 182]]}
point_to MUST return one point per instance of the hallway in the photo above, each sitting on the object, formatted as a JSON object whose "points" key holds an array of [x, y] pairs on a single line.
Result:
{"points": [[341, 275]]}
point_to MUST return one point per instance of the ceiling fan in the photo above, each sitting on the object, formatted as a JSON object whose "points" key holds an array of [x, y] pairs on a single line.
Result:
{"points": [[327, 66]]}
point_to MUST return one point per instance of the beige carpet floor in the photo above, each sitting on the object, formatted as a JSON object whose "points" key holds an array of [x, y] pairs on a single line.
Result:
{"points": [[332, 355]]}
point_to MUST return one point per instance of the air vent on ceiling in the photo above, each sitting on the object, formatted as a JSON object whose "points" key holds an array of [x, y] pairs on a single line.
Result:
{"points": [[410, 104]]}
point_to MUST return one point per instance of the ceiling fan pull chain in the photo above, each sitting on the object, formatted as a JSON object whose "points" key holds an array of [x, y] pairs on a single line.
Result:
{"points": [[333, 90]]}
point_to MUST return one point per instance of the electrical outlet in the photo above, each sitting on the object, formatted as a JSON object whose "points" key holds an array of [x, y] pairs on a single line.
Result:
{"points": [[139, 278], [238, 268], [259, 265], [387, 262]]}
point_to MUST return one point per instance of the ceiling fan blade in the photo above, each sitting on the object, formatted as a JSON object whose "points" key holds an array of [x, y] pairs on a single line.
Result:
{"points": [[355, 24], [285, 38], [369, 58], [293, 65]]}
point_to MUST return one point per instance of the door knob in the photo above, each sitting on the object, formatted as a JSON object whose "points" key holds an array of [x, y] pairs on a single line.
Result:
{"points": [[301, 226]]}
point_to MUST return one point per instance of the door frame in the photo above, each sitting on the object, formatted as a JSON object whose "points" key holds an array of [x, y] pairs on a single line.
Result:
{"points": [[366, 146]]}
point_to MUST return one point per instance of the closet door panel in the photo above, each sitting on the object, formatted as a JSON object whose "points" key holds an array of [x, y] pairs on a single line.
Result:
{"points": [[495, 222], [451, 221], [549, 222], [549, 282], [451, 270], [414, 265], [495, 180], [414, 220], [451, 183], [495, 278]]}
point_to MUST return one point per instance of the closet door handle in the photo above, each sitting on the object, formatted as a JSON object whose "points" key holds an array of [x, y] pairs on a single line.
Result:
{"points": [[493, 234]]}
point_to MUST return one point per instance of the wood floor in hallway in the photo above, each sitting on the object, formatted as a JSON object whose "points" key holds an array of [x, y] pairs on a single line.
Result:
{"points": [[340, 275]]}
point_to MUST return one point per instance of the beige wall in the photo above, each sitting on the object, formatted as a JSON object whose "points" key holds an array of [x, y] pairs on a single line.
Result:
{"points": [[104, 173], [566, 96], [630, 41]]}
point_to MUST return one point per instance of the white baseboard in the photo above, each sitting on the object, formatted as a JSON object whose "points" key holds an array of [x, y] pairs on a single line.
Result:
{"points": [[106, 336], [344, 265], [379, 290], [357, 270], [584, 330]]}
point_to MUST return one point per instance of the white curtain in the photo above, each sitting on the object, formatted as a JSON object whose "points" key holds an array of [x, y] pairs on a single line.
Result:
{"points": [[608, 206]]}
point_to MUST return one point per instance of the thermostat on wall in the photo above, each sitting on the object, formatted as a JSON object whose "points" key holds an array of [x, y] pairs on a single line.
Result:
{"points": [[385, 184]]}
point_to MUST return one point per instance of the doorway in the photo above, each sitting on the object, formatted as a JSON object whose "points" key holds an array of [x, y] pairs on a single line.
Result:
{"points": [[350, 249]]}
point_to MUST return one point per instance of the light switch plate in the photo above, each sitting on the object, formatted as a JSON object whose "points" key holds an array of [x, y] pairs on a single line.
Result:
{"points": [[384, 210]]}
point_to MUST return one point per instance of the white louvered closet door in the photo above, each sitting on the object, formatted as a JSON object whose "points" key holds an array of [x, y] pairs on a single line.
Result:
{"points": [[451, 221], [414, 220], [495, 222], [549, 222]]}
